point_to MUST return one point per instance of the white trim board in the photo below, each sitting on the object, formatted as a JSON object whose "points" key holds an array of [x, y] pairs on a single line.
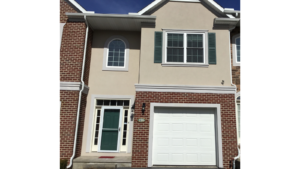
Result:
{"points": [[91, 117], [73, 86], [185, 89], [211, 3], [218, 128]]}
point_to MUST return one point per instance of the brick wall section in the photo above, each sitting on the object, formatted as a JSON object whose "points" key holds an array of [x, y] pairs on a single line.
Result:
{"points": [[88, 58], [69, 102], [65, 7], [141, 130], [80, 125], [71, 58], [71, 51], [236, 70]]}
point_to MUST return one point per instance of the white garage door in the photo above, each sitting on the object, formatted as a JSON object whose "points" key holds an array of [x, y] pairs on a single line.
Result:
{"points": [[184, 136]]}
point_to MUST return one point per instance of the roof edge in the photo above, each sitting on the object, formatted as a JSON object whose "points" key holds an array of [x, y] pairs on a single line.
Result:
{"points": [[79, 7]]}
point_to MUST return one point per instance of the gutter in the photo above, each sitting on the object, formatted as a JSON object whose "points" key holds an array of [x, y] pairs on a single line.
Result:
{"points": [[82, 15], [80, 93]]}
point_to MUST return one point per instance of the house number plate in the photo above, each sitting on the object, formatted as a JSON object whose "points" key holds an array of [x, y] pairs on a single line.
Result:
{"points": [[141, 120]]}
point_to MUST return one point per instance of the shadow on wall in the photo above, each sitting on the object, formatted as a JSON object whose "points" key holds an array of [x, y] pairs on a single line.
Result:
{"points": [[101, 36]]}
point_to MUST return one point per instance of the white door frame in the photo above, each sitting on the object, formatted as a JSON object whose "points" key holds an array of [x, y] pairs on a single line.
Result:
{"points": [[188, 105], [91, 115], [101, 127]]}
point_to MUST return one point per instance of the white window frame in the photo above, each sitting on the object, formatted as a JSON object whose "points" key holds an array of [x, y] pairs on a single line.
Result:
{"points": [[106, 52], [234, 54], [184, 63]]}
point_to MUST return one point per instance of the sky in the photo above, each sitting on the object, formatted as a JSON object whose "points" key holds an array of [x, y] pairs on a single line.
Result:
{"points": [[125, 6]]}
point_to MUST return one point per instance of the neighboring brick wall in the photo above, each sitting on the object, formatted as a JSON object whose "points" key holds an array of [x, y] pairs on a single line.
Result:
{"points": [[236, 70], [68, 110], [80, 125], [65, 7], [71, 58], [71, 51], [141, 130], [88, 58]]}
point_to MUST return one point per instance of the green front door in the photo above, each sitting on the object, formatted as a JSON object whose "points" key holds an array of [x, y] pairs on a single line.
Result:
{"points": [[110, 129]]}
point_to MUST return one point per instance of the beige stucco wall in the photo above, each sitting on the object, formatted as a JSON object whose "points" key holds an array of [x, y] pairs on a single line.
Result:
{"points": [[181, 15], [110, 82]]}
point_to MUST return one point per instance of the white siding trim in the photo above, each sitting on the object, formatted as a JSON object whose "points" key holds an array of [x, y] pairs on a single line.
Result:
{"points": [[91, 117], [73, 86], [219, 131], [185, 89], [61, 32]]}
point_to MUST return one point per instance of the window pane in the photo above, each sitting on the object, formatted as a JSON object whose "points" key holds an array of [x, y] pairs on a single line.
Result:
{"points": [[97, 126], [195, 40], [126, 113], [237, 41], [116, 53], [175, 40], [98, 113], [120, 102], [99, 102], [113, 102], [98, 119], [126, 102], [125, 127], [96, 141], [106, 102], [195, 55], [96, 133], [124, 142], [174, 54], [238, 53]]}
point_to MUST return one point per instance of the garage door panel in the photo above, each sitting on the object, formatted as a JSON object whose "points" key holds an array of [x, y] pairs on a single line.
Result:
{"points": [[183, 137]]}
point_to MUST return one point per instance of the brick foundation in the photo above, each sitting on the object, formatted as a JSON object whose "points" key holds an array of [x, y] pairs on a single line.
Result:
{"points": [[141, 130]]}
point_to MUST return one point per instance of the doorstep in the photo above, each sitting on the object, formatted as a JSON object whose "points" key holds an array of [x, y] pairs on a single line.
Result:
{"points": [[94, 162]]}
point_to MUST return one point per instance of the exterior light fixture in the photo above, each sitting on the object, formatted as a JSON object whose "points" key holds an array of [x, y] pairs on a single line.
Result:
{"points": [[143, 108]]}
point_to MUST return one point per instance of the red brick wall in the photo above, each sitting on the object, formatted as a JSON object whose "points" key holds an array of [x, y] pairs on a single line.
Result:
{"points": [[69, 102], [80, 125], [141, 130], [88, 58], [71, 58], [65, 7], [71, 51], [235, 70]]}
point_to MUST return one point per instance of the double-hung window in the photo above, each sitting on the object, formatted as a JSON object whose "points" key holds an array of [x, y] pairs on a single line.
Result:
{"points": [[185, 48], [236, 50]]}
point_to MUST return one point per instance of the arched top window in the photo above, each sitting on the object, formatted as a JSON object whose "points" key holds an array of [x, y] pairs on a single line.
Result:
{"points": [[116, 53]]}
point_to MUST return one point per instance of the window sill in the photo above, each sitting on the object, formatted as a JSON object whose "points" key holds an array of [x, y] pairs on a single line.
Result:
{"points": [[183, 65], [115, 69]]}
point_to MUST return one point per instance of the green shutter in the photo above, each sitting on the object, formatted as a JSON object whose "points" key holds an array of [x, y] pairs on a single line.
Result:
{"points": [[158, 47], [212, 53]]}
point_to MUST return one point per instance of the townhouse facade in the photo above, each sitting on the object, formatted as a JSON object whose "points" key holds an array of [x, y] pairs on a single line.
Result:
{"points": [[157, 86]]}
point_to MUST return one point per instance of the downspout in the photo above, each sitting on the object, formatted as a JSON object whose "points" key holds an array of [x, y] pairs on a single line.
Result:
{"points": [[234, 93], [80, 92], [235, 158]]}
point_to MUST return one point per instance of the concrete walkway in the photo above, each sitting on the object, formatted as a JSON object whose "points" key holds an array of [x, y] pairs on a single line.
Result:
{"points": [[87, 162]]}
